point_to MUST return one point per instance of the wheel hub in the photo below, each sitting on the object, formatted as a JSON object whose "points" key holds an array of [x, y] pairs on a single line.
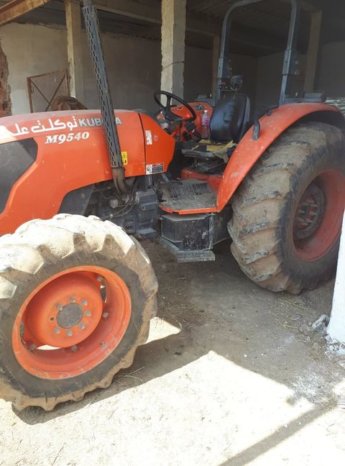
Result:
{"points": [[70, 315], [64, 313], [310, 212]]}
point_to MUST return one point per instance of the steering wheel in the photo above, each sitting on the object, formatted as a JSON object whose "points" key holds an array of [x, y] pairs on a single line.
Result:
{"points": [[168, 113]]}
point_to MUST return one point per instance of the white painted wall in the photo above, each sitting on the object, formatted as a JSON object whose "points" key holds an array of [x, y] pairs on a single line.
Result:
{"points": [[30, 50], [336, 328]]}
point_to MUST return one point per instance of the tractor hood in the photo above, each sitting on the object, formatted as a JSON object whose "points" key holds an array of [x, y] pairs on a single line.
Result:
{"points": [[45, 156], [33, 125]]}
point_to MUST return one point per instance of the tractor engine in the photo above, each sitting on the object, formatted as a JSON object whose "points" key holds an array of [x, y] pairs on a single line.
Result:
{"points": [[136, 212]]}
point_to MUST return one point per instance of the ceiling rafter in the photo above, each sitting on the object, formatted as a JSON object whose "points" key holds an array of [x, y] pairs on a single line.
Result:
{"points": [[16, 8]]}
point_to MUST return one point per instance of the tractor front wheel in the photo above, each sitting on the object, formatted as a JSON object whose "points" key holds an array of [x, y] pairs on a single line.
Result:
{"points": [[288, 212], [76, 298]]}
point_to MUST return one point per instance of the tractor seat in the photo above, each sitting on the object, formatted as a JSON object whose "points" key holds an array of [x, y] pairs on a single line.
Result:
{"points": [[228, 123]]}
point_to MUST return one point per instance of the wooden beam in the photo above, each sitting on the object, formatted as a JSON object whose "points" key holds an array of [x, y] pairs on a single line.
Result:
{"points": [[313, 50], [12, 10], [152, 14], [74, 49], [131, 9]]}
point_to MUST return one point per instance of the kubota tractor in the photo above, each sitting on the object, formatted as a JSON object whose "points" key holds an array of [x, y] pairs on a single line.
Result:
{"points": [[76, 291]]}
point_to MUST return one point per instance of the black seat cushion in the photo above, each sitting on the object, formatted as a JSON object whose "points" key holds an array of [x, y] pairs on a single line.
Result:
{"points": [[229, 119]]}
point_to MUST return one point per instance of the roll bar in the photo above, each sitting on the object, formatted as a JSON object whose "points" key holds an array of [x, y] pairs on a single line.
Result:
{"points": [[224, 67]]}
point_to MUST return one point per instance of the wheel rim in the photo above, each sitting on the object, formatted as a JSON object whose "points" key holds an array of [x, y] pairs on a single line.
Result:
{"points": [[318, 217], [71, 322]]}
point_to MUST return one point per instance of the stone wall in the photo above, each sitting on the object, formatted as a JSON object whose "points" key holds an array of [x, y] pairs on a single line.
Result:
{"points": [[5, 100]]}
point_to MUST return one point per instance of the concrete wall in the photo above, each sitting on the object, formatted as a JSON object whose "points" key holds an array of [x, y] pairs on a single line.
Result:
{"points": [[133, 65], [332, 70], [268, 83], [197, 72], [30, 50], [246, 66], [133, 70], [330, 75], [269, 78]]}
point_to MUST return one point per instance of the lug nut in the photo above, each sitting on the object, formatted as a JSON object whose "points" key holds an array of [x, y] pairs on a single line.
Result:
{"points": [[69, 333], [105, 315], [87, 313], [72, 299], [59, 307], [84, 302], [57, 330], [82, 326]]}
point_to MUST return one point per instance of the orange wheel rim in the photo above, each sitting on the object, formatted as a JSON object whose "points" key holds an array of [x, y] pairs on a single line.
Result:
{"points": [[318, 218], [71, 322]]}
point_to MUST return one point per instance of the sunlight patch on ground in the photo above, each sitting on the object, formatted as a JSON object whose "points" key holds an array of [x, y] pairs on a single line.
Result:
{"points": [[160, 328]]}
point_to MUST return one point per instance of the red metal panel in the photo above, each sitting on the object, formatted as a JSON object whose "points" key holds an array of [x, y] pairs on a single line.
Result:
{"points": [[72, 153], [159, 146], [249, 151]]}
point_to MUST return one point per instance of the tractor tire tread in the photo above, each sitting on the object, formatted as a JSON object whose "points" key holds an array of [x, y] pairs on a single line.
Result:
{"points": [[40, 242], [258, 205]]}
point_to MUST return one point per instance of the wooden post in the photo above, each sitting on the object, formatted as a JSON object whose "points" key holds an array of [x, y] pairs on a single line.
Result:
{"points": [[173, 45], [74, 49], [313, 50]]}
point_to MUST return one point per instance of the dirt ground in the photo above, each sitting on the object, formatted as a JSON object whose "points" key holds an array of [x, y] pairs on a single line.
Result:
{"points": [[231, 375]]}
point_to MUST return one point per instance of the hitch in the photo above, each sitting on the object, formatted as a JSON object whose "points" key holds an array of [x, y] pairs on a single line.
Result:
{"points": [[107, 108]]}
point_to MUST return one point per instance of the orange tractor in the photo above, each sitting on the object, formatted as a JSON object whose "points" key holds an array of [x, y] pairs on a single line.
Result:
{"points": [[76, 291]]}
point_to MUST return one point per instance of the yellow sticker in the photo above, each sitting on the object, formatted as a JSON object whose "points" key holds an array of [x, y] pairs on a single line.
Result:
{"points": [[124, 156]]}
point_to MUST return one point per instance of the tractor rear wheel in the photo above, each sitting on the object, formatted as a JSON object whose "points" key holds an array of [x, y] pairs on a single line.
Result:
{"points": [[76, 298], [287, 214]]}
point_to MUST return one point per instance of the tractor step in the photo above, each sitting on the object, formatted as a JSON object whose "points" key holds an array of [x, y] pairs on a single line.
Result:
{"points": [[187, 195], [189, 237]]}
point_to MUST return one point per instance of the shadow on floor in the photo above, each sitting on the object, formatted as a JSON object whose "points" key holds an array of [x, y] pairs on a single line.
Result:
{"points": [[217, 309]]}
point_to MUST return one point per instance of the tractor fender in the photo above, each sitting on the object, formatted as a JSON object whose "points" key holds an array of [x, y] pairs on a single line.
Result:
{"points": [[249, 150]]}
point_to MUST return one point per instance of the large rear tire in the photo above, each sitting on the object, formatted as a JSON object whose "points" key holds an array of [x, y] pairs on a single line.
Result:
{"points": [[287, 214], [76, 298]]}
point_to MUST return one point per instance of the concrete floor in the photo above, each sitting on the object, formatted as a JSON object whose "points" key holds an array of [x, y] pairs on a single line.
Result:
{"points": [[231, 375]]}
